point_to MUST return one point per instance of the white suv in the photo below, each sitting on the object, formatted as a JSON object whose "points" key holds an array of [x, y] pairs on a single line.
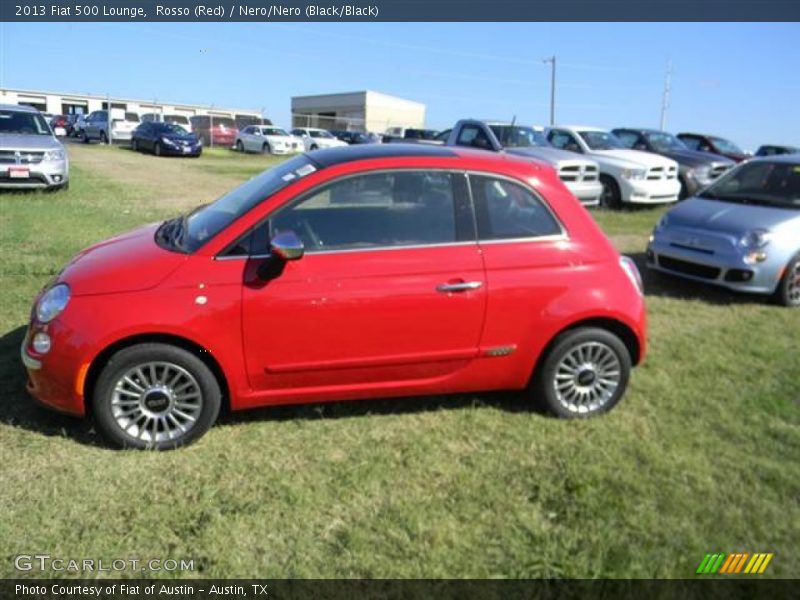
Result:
{"points": [[314, 138], [628, 176]]}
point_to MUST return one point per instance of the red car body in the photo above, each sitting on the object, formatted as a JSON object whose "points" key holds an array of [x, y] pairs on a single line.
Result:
{"points": [[348, 325]]}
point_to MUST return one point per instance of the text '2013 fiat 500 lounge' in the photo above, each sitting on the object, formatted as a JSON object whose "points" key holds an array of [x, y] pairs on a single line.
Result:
{"points": [[357, 272]]}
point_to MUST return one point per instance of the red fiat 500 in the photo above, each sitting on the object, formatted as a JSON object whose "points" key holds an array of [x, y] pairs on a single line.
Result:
{"points": [[359, 272]]}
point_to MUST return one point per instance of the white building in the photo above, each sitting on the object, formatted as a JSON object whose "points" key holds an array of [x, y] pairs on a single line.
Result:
{"points": [[60, 103], [357, 111]]}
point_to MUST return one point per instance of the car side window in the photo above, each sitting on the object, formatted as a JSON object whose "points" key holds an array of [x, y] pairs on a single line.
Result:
{"points": [[563, 140], [376, 210], [472, 136], [691, 142], [628, 138], [507, 210]]}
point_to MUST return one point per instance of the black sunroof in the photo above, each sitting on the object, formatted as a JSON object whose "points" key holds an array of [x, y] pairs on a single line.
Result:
{"points": [[333, 156]]}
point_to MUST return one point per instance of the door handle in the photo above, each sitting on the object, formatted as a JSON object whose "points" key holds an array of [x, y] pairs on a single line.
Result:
{"points": [[462, 286]]}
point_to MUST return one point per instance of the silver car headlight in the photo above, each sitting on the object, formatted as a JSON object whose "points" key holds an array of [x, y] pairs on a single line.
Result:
{"points": [[755, 238], [55, 154], [635, 174], [52, 303]]}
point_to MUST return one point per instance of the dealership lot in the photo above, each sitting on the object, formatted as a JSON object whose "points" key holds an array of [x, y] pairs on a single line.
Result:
{"points": [[433, 487]]}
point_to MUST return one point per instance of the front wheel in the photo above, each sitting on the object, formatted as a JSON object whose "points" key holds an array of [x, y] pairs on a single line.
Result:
{"points": [[611, 197], [134, 145], [585, 373], [788, 292], [155, 396], [239, 146], [265, 148]]}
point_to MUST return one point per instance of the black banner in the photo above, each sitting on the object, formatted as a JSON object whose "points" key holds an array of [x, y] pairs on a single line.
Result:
{"points": [[388, 589], [398, 10]]}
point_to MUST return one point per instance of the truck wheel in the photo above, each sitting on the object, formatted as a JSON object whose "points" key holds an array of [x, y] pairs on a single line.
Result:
{"points": [[611, 197]]}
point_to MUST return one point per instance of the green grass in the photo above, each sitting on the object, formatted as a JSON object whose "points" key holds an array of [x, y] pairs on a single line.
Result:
{"points": [[701, 455]]}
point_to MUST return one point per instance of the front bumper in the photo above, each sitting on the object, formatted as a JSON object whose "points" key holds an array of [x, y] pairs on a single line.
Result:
{"points": [[182, 150], [712, 258], [661, 191], [588, 192], [45, 174]]}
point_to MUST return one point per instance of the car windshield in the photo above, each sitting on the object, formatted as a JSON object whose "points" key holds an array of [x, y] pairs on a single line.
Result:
{"points": [[192, 231], [26, 123], [171, 128], [601, 140], [273, 131], [318, 133], [726, 146], [518, 137], [759, 182], [664, 142]]}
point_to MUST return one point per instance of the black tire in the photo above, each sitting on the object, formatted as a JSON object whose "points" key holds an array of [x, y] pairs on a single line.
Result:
{"points": [[265, 149], [550, 372], [83, 137], [313, 147], [684, 191], [103, 137], [129, 358], [157, 148], [788, 292], [239, 146], [134, 145], [611, 198]]}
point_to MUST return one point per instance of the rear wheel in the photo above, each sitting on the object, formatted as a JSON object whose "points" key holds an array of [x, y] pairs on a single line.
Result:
{"points": [[134, 145], [157, 149], [155, 396], [611, 197], [788, 292], [585, 373]]}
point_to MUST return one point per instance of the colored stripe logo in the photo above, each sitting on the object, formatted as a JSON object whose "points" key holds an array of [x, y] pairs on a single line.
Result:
{"points": [[733, 564]]}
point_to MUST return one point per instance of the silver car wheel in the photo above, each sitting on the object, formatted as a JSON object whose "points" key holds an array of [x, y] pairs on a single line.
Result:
{"points": [[587, 377], [156, 402], [793, 283]]}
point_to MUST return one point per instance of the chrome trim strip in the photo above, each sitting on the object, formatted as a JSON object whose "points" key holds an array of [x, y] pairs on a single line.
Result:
{"points": [[29, 361]]}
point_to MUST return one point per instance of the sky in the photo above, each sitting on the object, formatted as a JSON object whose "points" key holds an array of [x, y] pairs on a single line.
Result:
{"points": [[737, 80]]}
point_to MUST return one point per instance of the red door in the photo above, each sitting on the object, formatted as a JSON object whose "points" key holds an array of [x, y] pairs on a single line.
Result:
{"points": [[409, 310]]}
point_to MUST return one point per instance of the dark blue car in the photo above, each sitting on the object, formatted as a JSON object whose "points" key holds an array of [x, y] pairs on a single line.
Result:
{"points": [[165, 138]]}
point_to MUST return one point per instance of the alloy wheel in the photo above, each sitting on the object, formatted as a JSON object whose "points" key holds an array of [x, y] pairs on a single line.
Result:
{"points": [[587, 377], [156, 402], [793, 284]]}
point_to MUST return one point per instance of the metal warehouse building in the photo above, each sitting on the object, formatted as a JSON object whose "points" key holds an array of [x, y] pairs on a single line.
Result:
{"points": [[357, 111], [60, 103]]}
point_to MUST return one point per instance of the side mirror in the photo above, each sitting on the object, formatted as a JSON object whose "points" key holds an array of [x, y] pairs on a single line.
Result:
{"points": [[287, 246]]}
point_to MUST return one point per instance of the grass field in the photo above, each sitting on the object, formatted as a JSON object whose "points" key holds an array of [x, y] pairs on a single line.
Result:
{"points": [[701, 455]]}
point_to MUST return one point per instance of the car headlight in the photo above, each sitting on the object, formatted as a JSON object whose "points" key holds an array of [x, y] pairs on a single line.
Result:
{"points": [[636, 174], [52, 303], [701, 174], [755, 238], [55, 154], [168, 141]]}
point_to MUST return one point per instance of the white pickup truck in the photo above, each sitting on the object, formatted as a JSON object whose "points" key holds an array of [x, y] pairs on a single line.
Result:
{"points": [[628, 176], [578, 174]]}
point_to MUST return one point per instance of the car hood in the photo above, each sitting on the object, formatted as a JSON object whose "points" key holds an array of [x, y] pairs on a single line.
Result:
{"points": [[126, 263], [551, 155], [18, 141], [626, 157], [728, 217], [694, 158]]}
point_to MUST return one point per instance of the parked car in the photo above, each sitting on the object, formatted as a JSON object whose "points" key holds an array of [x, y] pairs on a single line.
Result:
{"points": [[773, 150], [714, 145], [741, 232], [409, 135], [314, 138], [696, 170], [165, 139], [79, 126], [59, 125], [71, 122], [121, 123], [506, 281], [30, 155], [578, 174], [181, 120], [627, 176], [356, 137], [221, 131], [267, 140]]}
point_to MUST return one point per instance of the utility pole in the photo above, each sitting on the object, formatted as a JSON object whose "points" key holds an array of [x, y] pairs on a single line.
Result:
{"points": [[552, 61], [665, 99]]}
